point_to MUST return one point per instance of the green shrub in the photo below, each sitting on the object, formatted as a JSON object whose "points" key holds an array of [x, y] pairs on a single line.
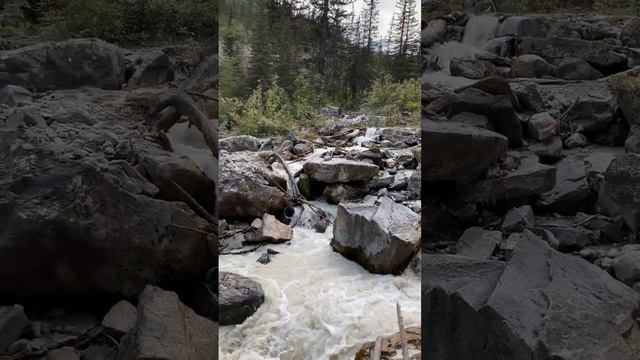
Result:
{"points": [[136, 20], [268, 112], [385, 94]]}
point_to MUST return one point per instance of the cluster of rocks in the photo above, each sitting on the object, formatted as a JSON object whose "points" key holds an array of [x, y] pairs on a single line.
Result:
{"points": [[93, 206], [530, 205], [372, 175]]}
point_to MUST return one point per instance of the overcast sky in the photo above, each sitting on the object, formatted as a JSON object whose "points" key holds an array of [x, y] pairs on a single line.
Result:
{"points": [[387, 8]]}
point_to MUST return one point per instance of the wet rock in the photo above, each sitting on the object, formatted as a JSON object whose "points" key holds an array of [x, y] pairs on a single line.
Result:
{"points": [[403, 157], [337, 193], [400, 182], [472, 119], [264, 259], [529, 96], [150, 69], [65, 353], [78, 200], [434, 32], [240, 143], [576, 140], [566, 235], [542, 126], [523, 26], [415, 182], [472, 68], [338, 170], [601, 55], [240, 297], [593, 111], [471, 300], [166, 329], [620, 193], [248, 189], [13, 321], [120, 319], [573, 68], [626, 266], [497, 108], [399, 136], [166, 168], [549, 151], [627, 89], [302, 149], [529, 179], [382, 239], [12, 95], [273, 230], [518, 219], [64, 65], [531, 66], [478, 243], [571, 190], [503, 46], [304, 185], [476, 149]]}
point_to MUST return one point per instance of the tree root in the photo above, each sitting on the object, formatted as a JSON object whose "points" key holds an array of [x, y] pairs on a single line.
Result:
{"points": [[173, 106]]}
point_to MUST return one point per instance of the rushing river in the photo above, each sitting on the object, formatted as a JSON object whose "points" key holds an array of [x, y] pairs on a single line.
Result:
{"points": [[318, 305]]}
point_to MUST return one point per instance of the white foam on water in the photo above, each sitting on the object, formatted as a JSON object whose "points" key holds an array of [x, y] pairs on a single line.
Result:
{"points": [[369, 135], [318, 305], [480, 29]]}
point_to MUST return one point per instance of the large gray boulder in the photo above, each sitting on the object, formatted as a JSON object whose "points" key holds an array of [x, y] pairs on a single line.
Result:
{"points": [[151, 68], [75, 225], [339, 170], [166, 329], [627, 90], [248, 189], [571, 190], [620, 192], [64, 65], [531, 66], [599, 54], [529, 179], [382, 238], [452, 151], [240, 143], [13, 322], [539, 304], [240, 297], [497, 108], [594, 110]]}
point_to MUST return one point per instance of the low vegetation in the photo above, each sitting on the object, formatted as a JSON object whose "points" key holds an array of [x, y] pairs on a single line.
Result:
{"points": [[119, 21]]}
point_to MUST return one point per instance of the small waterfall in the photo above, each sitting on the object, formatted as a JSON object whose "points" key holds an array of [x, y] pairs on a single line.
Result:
{"points": [[479, 30], [369, 135]]}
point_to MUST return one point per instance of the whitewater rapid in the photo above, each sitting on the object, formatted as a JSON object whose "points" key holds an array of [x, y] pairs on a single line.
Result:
{"points": [[478, 30], [318, 305]]}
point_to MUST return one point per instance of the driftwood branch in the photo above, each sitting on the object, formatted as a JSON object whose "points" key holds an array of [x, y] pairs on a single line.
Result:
{"points": [[377, 349], [403, 334], [194, 204], [184, 105], [295, 192]]}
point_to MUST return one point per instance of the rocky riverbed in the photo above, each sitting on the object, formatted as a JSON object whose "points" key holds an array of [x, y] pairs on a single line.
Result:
{"points": [[317, 275], [105, 238], [530, 187]]}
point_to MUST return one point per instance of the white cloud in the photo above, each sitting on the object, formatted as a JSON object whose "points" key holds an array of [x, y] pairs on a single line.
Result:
{"points": [[387, 8]]}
